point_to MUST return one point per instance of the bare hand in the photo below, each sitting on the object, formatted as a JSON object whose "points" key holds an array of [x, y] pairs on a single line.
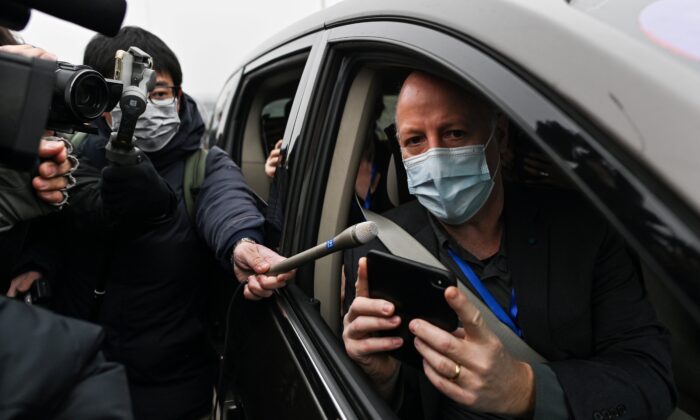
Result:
{"points": [[490, 379], [22, 283], [52, 171], [255, 258], [28, 51], [365, 317], [274, 160]]}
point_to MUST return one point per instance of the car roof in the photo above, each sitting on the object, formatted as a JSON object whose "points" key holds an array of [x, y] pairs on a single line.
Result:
{"points": [[644, 98]]}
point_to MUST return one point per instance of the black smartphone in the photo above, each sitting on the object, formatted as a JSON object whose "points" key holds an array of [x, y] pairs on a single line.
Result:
{"points": [[416, 290]]}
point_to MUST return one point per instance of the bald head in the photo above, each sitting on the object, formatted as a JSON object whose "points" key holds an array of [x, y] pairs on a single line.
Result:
{"points": [[433, 112]]}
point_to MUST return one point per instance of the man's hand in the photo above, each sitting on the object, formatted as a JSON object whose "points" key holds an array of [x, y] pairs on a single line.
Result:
{"points": [[364, 318], [250, 263], [53, 171], [22, 283], [136, 190], [488, 378], [273, 160], [28, 51]]}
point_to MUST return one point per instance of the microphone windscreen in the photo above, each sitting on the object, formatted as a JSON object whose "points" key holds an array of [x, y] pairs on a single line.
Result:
{"points": [[365, 232], [103, 16]]}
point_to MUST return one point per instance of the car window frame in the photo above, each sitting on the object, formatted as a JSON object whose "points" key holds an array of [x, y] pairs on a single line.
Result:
{"points": [[526, 100], [215, 131]]}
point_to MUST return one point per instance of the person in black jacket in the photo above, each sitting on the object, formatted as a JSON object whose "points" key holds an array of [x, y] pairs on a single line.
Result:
{"points": [[542, 260], [52, 368], [156, 260]]}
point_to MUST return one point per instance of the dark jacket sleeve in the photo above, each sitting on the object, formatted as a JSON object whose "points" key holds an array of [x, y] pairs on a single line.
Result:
{"points": [[226, 210], [18, 200], [52, 367], [629, 373]]}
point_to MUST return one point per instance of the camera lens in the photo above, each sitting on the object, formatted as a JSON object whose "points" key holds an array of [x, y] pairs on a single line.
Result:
{"points": [[80, 95], [89, 95]]}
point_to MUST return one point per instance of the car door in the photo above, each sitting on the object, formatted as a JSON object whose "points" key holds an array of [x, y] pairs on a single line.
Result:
{"points": [[288, 348], [657, 223]]}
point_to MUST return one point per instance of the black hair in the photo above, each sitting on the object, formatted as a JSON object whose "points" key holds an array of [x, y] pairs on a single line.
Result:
{"points": [[99, 53], [6, 37]]}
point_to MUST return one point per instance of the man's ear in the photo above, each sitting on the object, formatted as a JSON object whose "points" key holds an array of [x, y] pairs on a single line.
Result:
{"points": [[179, 99]]}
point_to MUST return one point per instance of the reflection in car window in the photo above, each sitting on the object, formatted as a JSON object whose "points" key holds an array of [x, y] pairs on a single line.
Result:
{"points": [[671, 25]]}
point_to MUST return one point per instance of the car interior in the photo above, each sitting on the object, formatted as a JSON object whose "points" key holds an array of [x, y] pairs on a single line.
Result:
{"points": [[267, 107], [366, 119]]}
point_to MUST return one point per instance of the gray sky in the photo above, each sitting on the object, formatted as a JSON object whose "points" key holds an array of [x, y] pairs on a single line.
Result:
{"points": [[210, 37]]}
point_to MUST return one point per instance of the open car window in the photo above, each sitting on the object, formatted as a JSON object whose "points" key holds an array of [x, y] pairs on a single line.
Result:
{"points": [[553, 146]]}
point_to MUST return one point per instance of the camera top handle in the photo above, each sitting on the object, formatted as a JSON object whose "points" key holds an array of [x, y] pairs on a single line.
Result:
{"points": [[134, 69]]}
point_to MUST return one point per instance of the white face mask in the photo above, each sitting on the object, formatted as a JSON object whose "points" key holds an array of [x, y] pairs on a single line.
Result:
{"points": [[155, 127]]}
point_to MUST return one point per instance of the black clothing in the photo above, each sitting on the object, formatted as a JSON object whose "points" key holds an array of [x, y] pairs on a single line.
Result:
{"points": [[493, 271], [154, 311], [136, 191], [581, 305], [11, 245], [52, 368], [18, 199]]}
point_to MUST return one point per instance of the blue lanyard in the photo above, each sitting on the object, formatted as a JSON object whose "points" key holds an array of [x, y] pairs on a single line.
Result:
{"points": [[368, 198], [507, 318]]}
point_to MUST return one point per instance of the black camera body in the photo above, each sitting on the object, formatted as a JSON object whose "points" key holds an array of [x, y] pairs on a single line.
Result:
{"points": [[80, 95], [37, 94]]}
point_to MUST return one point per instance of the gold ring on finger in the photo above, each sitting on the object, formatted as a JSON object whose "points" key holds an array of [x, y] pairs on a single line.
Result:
{"points": [[458, 370]]}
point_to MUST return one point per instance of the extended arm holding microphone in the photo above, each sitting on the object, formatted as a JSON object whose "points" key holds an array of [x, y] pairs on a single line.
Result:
{"points": [[351, 237], [272, 271]]}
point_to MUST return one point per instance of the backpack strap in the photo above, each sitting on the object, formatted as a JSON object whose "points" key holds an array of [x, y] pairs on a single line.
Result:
{"points": [[195, 170]]}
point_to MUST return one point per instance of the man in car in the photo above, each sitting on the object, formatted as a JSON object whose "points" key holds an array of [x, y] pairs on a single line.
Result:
{"points": [[157, 261], [558, 274]]}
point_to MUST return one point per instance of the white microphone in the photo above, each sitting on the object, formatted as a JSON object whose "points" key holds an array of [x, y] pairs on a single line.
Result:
{"points": [[351, 237]]}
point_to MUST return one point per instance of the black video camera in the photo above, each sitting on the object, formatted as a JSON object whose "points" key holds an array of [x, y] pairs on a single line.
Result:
{"points": [[37, 94]]}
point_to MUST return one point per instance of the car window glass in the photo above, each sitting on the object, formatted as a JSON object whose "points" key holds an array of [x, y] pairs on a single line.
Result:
{"points": [[261, 116]]}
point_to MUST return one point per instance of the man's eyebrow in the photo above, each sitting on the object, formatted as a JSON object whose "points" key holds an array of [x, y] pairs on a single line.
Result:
{"points": [[409, 129], [462, 121]]}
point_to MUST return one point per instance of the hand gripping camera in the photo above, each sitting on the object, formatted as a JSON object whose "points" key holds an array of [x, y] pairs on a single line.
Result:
{"points": [[134, 69]]}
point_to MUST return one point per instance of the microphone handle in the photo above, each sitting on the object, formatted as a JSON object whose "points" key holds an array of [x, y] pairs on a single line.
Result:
{"points": [[320, 250], [344, 240]]}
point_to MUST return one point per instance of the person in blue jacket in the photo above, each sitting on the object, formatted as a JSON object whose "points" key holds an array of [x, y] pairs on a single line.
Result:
{"points": [[157, 261]]}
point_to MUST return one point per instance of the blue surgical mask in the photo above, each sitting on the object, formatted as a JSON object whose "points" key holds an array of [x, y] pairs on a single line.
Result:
{"points": [[452, 183]]}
